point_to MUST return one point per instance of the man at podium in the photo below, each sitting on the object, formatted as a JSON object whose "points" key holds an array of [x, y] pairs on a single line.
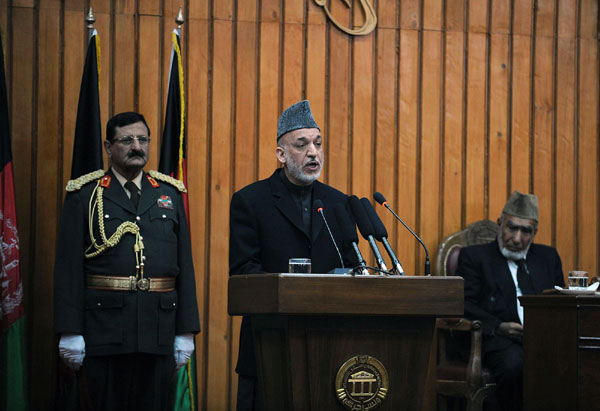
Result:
{"points": [[495, 275], [273, 220]]}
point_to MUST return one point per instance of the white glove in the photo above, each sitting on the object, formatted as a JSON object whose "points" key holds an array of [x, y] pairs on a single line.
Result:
{"points": [[71, 349], [183, 349]]}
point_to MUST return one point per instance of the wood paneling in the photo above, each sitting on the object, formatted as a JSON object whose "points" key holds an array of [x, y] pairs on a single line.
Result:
{"points": [[446, 108]]}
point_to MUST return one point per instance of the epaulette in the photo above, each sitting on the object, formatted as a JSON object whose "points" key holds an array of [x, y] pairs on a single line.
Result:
{"points": [[168, 179], [75, 185]]}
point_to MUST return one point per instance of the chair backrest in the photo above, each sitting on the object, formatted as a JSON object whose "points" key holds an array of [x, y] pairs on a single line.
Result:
{"points": [[479, 232]]}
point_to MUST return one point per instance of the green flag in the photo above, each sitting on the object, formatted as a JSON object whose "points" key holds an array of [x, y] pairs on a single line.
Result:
{"points": [[13, 376]]}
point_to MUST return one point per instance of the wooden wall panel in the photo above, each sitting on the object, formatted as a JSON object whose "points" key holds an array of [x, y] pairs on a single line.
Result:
{"points": [[245, 140], [123, 65], [520, 126], [405, 204], [74, 59], [316, 65], [430, 184], [497, 135], [149, 74], [103, 25], [219, 324], [293, 52], [543, 132], [453, 136], [386, 151], [268, 94], [474, 202], [588, 140], [46, 199], [446, 108], [197, 38], [566, 199], [336, 127]]}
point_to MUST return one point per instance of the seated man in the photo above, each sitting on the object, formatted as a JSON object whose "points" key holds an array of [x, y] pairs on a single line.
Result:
{"points": [[495, 275]]}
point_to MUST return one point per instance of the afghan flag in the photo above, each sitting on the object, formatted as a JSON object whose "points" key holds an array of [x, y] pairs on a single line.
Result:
{"points": [[13, 376], [87, 147], [172, 162], [87, 157], [172, 152]]}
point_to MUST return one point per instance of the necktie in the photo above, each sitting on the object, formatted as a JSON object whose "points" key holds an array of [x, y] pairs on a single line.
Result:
{"points": [[524, 278], [135, 197]]}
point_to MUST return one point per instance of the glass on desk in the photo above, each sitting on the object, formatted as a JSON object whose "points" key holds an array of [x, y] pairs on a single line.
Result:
{"points": [[299, 265], [578, 279]]}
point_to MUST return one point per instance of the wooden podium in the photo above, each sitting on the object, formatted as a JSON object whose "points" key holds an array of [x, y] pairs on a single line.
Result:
{"points": [[308, 326]]}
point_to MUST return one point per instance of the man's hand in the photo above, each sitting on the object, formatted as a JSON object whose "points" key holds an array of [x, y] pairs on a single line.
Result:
{"points": [[71, 349], [183, 349], [511, 330]]}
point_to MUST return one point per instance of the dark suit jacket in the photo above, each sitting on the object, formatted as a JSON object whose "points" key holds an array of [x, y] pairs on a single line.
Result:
{"points": [[266, 231], [490, 293], [119, 322]]}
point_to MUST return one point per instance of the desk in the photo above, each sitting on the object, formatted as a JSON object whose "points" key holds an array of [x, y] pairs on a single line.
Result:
{"points": [[561, 343]]}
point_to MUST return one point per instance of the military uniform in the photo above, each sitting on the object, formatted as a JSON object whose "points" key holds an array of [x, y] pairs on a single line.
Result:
{"points": [[102, 237]]}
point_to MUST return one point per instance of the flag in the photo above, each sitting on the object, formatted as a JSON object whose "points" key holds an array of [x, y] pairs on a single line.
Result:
{"points": [[172, 152], [172, 162], [13, 376], [87, 157], [87, 147]]}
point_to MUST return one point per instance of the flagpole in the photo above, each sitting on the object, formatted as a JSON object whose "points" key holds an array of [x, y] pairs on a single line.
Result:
{"points": [[90, 20], [179, 20]]}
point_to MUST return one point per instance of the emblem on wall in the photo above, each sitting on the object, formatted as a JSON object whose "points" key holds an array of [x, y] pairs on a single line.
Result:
{"points": [[361, 383], [370, 18]]}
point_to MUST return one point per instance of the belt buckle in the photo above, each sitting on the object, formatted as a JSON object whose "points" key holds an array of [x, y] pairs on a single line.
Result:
{"points": [[132, 283], [143, 284]]}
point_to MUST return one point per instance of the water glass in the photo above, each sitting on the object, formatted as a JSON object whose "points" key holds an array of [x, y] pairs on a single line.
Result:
{"points": [[299, 265], [578, 280]]}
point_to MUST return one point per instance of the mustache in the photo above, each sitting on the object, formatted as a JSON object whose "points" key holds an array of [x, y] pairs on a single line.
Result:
{"points": [[136, 153], [312, 160]]}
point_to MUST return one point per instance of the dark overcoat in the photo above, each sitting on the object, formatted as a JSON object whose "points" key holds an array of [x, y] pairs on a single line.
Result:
{"points": [[121, 322], [490, 293], [266, 230]]}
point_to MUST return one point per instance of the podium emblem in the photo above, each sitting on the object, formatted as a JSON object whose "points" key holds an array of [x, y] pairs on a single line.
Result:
{"points": [[361, 383]]}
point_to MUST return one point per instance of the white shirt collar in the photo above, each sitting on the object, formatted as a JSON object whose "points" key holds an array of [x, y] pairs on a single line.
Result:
{"points": [[122, 180]]}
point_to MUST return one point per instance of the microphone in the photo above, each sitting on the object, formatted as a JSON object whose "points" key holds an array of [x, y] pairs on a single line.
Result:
{"points": [[318, 204], [381, 234], [366, 229], [349, 232], [381, 200]]}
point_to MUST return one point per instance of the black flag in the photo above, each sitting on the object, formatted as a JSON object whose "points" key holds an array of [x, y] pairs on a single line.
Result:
{"points": [[87, 147]]}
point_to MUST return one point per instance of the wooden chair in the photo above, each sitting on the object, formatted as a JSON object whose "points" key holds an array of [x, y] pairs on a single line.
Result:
{"points": [[456, 377]]}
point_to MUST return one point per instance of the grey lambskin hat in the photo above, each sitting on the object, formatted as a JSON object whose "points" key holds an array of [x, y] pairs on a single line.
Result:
{"points": [[522, 206], [295, 117]]}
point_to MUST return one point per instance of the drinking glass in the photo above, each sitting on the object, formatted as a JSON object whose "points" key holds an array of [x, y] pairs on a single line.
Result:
{"points": [[578, 280], [299, 265]]}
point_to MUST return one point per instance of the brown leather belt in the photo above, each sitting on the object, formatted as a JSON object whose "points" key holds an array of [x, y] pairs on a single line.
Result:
{"points": [[120, 283]]}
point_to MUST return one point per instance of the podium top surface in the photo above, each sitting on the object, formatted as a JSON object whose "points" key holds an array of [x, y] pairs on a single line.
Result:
{"points": [[557, 300], [328, 294]]}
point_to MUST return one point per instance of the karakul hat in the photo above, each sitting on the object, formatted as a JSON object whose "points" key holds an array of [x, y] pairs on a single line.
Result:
{"points": [[295, 117], [522, 206]]}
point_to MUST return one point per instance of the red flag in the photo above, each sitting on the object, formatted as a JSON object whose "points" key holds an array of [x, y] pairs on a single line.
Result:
{"points": [[12, 347]]}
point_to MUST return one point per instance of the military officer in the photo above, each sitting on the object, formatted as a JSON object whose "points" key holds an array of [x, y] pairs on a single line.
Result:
{"points": [[125, 301]]}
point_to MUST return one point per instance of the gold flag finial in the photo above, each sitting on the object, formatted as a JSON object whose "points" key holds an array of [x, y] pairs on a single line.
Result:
{"points": [[90, 19], [179, 19]]}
